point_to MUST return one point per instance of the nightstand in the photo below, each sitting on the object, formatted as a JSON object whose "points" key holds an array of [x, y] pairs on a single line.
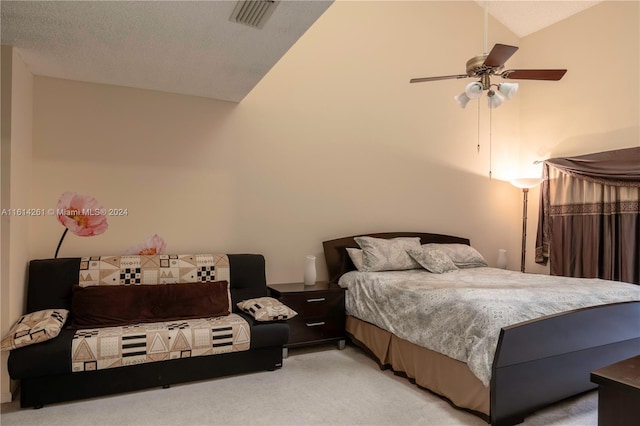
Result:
{"points": [[618, 393], [320, 309]]}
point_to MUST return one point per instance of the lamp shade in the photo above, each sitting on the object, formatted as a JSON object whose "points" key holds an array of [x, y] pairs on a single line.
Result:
{"points": [[508, 89], [495, 99], [525, 182], [473, 90], [462, 99]]}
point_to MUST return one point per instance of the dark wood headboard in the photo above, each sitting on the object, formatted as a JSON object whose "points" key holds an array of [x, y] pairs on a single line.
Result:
{"points": [[339, 262]]}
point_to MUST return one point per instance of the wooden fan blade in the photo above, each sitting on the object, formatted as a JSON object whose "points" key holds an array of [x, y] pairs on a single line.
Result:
{"points": [[554, 75], [442, 77], [499, 55]]}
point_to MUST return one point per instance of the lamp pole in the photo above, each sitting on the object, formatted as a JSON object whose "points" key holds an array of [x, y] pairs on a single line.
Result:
{"points": [[525, 193], [524, 184]]}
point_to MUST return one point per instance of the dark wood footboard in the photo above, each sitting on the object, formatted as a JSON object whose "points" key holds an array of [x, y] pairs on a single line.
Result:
{"points": [[546, 360], [537, 362]]}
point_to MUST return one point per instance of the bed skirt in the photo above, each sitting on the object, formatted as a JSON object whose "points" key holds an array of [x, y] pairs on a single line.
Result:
{"points": [[444, 376]]}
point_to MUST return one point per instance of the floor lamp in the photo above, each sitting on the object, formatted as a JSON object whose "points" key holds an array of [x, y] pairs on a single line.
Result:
{"points": [[525, 184]]}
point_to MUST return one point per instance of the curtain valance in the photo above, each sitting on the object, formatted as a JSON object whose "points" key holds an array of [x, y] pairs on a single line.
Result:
{"points": [[589, 217], [621, 165]]}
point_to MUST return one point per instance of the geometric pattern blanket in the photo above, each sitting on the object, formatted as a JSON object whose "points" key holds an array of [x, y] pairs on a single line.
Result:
{"points": [[108, 347], [153, 269]]}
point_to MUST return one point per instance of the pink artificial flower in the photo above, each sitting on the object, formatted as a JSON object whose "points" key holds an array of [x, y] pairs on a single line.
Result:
{"points": [[153, 244], [82, 214]]}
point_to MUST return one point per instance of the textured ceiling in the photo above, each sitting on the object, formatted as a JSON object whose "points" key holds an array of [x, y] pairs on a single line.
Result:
{"points": [[188, 47]]}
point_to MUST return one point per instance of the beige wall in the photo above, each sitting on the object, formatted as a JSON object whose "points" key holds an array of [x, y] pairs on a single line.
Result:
{"points": [[596, 106], [17, 103], [333, 141]]}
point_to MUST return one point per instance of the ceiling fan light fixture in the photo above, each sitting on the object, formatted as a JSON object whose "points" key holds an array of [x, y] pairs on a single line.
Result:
{"points": [[474, 90], [495, 99], [508, 89], [462, 99]]}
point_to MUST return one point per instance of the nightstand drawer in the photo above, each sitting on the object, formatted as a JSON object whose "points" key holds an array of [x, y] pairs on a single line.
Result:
{"points": [[315, 329], [320, 309], [316, 304]]}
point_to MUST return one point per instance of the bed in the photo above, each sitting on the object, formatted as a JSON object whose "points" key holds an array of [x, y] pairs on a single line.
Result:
{"points": [[532, 363]]}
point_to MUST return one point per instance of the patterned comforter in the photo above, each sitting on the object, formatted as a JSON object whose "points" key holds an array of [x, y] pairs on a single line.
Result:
{"points": [[460, 313]]}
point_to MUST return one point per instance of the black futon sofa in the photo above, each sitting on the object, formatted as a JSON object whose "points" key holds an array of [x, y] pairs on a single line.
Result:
{"points": [[44, 369]]}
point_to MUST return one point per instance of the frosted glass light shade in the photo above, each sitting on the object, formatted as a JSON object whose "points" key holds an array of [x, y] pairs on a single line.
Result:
{"points": [[526, 182], [462, 99], [508, 89], [495, 99], [473, 90]]}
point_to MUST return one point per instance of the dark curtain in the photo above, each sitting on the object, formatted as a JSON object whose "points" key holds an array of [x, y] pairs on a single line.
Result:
{"points": [[589, 217]]}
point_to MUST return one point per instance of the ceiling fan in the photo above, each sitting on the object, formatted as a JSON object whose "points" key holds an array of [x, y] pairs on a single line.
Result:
{"points": [[492, 64], [488, 65]]}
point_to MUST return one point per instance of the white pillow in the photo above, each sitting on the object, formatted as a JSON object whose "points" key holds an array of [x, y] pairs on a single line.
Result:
{"points": [[381, 254], [462, 255], [356, 257], [432, 259]]}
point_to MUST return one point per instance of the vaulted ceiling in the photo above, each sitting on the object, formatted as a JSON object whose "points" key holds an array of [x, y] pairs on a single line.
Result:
{"points": [[189, 47]]}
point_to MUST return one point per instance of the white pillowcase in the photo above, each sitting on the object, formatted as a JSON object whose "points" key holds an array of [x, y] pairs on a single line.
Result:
{"points": [[381, 254], [462, 255]]}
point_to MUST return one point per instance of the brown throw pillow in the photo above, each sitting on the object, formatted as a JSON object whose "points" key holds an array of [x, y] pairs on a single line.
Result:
{"points": [[108, 306]]}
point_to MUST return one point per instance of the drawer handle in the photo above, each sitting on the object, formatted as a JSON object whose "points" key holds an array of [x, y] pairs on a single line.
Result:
{"points": [[315, 324], [319, 299]]}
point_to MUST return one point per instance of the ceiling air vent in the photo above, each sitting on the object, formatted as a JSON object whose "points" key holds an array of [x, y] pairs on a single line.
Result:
{"points": [[253, 13]]}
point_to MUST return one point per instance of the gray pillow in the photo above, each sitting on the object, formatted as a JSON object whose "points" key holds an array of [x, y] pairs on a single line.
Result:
{"points": [[462, 255], [381, 254], [432, 259]]}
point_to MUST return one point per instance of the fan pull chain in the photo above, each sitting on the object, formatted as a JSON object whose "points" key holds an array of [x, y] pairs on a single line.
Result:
{"points": [[478, 127], [490, 139]]}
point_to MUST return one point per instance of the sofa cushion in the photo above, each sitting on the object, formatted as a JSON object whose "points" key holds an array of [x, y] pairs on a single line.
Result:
{"points": [[267, 333], [48, 358], [107, 306]]}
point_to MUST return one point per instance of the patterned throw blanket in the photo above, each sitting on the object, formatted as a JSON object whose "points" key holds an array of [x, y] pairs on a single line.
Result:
{"points": [[107, 347], [100, 348], [460, 313], [153, 269]]}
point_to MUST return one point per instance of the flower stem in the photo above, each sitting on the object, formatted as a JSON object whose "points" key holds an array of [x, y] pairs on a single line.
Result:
{"points": [[60, 243]]}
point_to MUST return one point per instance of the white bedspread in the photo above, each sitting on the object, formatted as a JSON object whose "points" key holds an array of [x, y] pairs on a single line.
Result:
{"points": [[460, 313]]}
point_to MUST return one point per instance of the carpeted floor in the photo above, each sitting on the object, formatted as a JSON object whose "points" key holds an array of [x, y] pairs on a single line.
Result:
{"points": [[317, 386]]}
